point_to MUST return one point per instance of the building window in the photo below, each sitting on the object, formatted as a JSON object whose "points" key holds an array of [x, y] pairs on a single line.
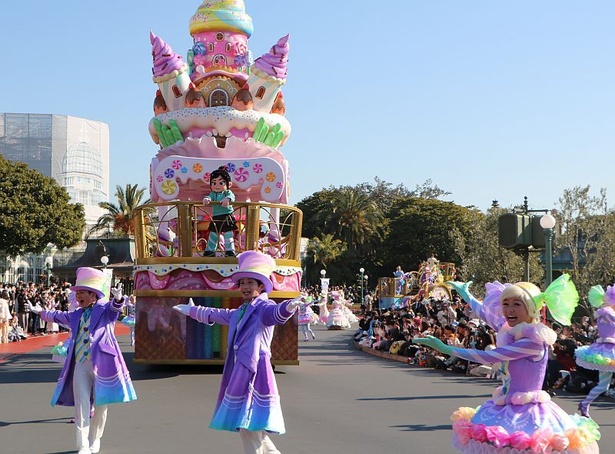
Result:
{"points": [[260, 93]]}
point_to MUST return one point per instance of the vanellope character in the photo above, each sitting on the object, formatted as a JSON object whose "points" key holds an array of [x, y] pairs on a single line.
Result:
{"points": [[223, 221]]}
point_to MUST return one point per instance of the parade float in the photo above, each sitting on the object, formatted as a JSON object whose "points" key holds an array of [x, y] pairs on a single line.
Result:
{"points": [[428, 282], [218, 107]]}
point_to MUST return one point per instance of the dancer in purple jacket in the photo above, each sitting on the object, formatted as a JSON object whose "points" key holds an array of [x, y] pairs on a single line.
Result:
{"points": [[94, 370], [248, 400]]}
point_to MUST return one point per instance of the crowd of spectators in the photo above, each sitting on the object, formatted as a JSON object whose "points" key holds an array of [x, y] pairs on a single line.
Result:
{"points": [[23, 323], [391, 330]]}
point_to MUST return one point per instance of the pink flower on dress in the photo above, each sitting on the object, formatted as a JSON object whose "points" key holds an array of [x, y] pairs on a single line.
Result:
{"points": [[479, 433], [519, 440], [177, 164], [559, 442], [498, 436], [463, 430], [241, 174], [541, 440]]}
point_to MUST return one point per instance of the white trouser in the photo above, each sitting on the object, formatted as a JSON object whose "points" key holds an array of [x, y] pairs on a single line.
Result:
{"points": [[257, 442], [83, 388]]}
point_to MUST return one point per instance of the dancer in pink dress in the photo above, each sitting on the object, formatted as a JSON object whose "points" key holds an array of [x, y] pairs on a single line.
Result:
{"points": [[600, 355], [306, 318], [520, 417], [337, 318]]}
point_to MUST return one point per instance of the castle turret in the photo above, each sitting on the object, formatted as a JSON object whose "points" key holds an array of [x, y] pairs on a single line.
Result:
{"points": [[268, 74], [220, 30], [170, 73]]}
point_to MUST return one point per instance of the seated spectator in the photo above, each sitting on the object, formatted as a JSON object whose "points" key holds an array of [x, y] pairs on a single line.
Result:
{"points": [[563, 357], [16, 332]]}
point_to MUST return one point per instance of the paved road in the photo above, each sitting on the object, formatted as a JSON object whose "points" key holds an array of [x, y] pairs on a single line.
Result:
{"points": [[339, 400]]}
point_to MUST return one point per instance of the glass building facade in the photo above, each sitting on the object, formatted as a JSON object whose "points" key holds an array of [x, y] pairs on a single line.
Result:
{"points": [[74, 151]]}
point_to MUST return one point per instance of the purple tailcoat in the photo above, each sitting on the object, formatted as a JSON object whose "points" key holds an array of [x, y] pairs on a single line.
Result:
{"points": [[112, 382], [248, 396]]}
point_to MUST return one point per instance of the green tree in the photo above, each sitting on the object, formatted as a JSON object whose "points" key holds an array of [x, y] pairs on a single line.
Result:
{"points": [[355, 219], [324, 251], [585, 229], [35, 210], [119, 218], [419, 227]]}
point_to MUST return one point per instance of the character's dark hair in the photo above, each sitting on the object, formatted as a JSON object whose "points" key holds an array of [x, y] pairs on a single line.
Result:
{"points": [[221, 172]]}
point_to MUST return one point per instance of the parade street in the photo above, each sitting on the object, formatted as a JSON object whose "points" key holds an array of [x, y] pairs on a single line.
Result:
{"points": [[338, 400]]}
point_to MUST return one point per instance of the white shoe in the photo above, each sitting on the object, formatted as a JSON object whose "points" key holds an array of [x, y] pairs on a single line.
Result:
{"points": [[84, 451], [95, 446]]}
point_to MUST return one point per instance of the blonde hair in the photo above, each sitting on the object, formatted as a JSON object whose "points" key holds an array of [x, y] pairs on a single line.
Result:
{"points": [[526, 292]]}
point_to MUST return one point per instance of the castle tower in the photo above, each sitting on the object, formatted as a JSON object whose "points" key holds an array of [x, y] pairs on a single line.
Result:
{"points": [[268, 74], [169, 72], [220, 30]]}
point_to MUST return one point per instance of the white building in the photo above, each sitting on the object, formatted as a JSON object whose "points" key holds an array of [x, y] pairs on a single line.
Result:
{"points": [[73, 151]]}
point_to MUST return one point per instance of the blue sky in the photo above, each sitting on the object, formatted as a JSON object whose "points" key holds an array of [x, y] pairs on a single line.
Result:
{"points": [[488, 99]]}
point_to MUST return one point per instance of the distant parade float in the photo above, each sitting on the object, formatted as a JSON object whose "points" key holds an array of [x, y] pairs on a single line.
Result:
{"points": [[223, 112]]}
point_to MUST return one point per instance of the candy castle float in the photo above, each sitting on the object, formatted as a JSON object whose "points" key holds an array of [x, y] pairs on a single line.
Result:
{"points": [[219, 107]]}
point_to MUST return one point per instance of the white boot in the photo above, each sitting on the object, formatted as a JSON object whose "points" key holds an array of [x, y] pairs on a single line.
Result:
{"points": [[95, 446]]}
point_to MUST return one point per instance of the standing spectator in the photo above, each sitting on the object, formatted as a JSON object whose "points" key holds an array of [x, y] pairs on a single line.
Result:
{"points": [[5, 317], [446, 315], [22, 310], [248, 400], [94, 370], [368, 301], [50, 305]]}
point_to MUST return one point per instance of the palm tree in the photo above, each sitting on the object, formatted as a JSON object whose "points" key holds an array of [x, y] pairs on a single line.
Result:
{"points": [[326, 249], [118, 218], [355, 219]]}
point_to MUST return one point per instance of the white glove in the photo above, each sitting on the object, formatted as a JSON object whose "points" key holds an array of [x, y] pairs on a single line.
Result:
{"points": [[295, 303], [117, 292], [184, 308], [34, 309], [206, 200]]}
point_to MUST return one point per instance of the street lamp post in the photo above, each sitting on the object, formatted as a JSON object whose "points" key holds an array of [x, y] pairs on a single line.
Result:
{"points": [[547, 222], [362, 271]]}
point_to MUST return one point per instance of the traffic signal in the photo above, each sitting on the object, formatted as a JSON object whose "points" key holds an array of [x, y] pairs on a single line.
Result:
{"points": [[514, 231], [519, 231]]}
